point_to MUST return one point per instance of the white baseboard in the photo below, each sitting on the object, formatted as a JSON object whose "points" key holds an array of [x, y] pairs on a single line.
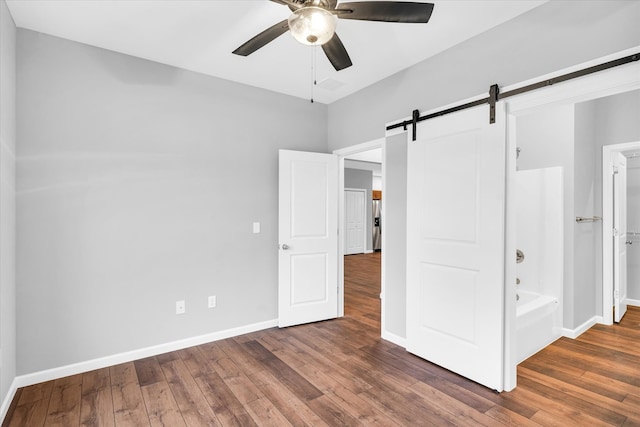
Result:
{"points": [[103, 362], [368, 251], [633, 302], [8, 399], [575, 333], [396, 339]]}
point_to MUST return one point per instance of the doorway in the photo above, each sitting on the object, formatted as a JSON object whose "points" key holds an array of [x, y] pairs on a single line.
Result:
{"points": [[620, 228], [580, 297], [360, 271]]}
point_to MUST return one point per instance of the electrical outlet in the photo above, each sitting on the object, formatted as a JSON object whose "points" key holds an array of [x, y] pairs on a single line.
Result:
{"points": [[180, 307], [211, 301]]}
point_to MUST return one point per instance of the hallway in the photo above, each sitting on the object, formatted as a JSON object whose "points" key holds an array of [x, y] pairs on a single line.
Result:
{"points": [[362, 288]]}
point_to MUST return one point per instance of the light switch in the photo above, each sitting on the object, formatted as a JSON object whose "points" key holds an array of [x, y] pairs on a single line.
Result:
{"points": [[180, 307], [256, 227]]}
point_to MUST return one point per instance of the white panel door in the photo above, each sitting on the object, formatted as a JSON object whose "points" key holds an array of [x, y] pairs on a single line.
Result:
{"points": [[619, 236], [354, 213], [308, 237], [455, 244]]}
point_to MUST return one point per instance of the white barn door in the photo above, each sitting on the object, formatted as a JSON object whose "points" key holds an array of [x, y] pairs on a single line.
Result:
{"points": [[308, 237], [455, 244]]}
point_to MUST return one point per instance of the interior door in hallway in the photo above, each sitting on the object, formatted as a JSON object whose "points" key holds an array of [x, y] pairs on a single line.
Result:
{"points": [[455, 244], [355, 211], [308, 237]]}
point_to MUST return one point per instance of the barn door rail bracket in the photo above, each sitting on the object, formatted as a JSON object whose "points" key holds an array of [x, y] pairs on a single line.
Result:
{"points": [[495, 95], [414, 124], [494, 92]]}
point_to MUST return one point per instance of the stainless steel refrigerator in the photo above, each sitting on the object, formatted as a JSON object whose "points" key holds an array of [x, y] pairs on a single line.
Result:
{"points": [[377, 225]]}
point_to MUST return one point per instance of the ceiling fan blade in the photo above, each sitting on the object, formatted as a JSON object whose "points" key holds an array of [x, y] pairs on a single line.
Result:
{"points": [[337, 54], [291, 3], [386, 11], [263, 38]]}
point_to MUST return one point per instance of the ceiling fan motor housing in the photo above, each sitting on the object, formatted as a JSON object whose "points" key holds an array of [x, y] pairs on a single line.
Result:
{"points": [[312, 25]]}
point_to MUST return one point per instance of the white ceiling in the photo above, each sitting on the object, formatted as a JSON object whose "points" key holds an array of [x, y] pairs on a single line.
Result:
{"points": [[371, 156], [200, 36]]}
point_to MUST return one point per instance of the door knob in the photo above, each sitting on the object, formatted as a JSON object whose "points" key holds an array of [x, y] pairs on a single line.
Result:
{"points": [[285, 247]]}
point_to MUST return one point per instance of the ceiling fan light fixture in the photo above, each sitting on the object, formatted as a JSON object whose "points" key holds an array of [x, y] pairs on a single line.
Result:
{"points": [[312, 25]]}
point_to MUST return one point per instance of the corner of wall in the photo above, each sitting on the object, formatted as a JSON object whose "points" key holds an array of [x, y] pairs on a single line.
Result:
{"points": [[7, 208]]}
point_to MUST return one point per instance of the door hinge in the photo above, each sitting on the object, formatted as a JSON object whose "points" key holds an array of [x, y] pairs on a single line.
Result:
{"points": [[614, 170], [616, 294]]}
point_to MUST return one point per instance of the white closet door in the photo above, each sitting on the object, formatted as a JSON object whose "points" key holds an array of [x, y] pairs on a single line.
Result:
{"points": [[355, 211], [619, 236]]}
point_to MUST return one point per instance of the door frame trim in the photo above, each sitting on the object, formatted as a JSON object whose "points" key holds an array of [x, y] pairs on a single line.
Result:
{"points": [[342, 153], [607, 227], [364, 215]]}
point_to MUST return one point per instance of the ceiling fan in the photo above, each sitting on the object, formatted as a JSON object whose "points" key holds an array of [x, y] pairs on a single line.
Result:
{"points": [[313, 22]]}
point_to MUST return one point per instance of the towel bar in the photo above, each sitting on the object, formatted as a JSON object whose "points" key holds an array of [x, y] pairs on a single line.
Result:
{"points": [[588, 219]]}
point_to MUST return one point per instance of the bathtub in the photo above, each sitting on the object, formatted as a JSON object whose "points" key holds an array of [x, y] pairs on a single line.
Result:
{"points": [[537, 319]]}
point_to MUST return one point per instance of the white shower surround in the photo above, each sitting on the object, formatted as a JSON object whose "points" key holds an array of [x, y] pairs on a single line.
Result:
{"points": [[539, 213]]}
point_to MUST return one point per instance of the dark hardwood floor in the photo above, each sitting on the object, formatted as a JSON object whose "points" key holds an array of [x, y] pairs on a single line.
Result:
{"points": [[340, 373]]}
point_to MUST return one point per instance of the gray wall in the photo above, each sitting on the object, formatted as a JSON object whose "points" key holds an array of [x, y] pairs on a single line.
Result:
{"points": [[556, 35], [7, 200], [395, 235], [358, 178], [137, 186], [587, 268]]}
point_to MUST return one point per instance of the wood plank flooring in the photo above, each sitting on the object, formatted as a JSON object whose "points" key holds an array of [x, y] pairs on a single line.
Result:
{"points": [[340, 373]]}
